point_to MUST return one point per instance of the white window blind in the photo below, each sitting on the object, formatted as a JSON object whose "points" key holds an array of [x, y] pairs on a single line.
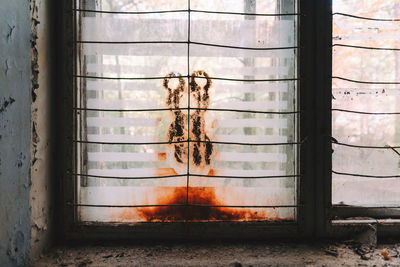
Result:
{"points": [[128, 169]]}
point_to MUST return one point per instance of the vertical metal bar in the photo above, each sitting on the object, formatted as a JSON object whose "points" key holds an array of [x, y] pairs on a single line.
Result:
{"points": [[397, 78], [188, 115]]}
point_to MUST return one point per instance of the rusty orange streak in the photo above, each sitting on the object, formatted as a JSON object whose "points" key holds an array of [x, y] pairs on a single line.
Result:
{"points": [[197, 195]]}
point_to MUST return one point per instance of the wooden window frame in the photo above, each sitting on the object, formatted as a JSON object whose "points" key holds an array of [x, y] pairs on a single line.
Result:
{"points": [[315, 214]]}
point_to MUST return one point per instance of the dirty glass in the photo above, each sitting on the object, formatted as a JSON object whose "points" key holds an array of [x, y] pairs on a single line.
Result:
{"points": [[133, 95], [366, 52]]}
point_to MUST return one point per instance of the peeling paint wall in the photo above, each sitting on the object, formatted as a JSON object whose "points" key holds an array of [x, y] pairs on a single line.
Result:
{"points": [[15, 128], [26, 173], [41, 200]]}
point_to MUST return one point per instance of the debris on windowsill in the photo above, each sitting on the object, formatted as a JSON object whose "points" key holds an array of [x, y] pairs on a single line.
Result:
{"points": [[332, 250], [386, 255], [232, 253], [107, 256], [364, 251]]}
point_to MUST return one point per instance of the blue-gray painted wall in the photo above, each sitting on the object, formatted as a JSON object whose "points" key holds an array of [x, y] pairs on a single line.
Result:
{"points": [[15, 128]]}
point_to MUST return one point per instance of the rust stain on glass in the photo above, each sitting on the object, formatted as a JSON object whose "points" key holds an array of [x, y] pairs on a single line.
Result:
{"points": [[191, 203], [127, 138], [201, 149]]}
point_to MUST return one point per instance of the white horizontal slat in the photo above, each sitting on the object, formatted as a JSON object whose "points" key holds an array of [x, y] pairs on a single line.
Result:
{"points": [[121, 122], [139, 172], [125, 138], [250, 105], [223, 138], [218, 86], [265, 87], [133, 29], [123, 156], [262, 32], [155, 71], [123, 85], [278, 70], [153, 122], [123, 69], [197, 52], [249, 173], [119, 104], [133, 104], [250, 157], [151, 171], [265, 31], [237, 123], [252, 138], [220, 156]]}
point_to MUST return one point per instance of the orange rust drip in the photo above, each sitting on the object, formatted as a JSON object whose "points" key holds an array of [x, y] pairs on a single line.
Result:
{"points": [[197, 195], [162, 156], [166, 172], [212, 172]]}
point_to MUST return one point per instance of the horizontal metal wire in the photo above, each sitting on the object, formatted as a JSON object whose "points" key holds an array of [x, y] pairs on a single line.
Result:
{"points": [[366, 207], [364, 112], [129, 12], [360, 17], [188, 42], [130, 42], [127, 78], [183, 205], [205, 109], [183, 11], [184, 175], [366, 175], [364, 82], [185, 76], [367, 47], [245, 13], [188, 141], [362, 146]]}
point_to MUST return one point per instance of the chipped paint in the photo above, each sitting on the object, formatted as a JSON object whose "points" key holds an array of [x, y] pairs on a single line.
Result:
{"points": [[41, 195], [6, 103], [34, 52]]}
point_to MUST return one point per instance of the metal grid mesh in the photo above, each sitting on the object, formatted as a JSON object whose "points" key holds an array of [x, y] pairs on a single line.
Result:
{"points": [[188, 43]]}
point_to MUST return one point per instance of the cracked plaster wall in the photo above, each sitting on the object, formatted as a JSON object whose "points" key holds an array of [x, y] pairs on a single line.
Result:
{"points": [[41, 194], [26, 188], [15, 128]]}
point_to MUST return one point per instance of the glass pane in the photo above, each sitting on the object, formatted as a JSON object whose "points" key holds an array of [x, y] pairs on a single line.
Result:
{"points": [[364, 175], [138, 75]]}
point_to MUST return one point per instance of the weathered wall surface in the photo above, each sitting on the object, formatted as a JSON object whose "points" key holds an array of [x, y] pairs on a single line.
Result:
{"points": [[41, 200], [15, 128]]}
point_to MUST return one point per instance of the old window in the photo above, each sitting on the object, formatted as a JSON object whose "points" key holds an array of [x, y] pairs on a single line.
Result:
{"points": [[235, 111], [365, 101], [186, 110]]}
